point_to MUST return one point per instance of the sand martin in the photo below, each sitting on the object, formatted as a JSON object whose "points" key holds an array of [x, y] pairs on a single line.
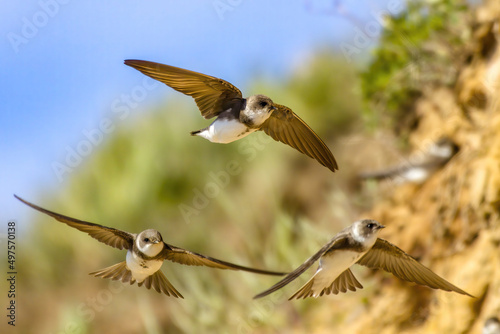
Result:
{"points": [[491, 326], [420, 165], [146, 252], [237, 117], [359, 244]]}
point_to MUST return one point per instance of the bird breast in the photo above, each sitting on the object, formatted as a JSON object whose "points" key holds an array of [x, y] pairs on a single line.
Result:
{"points": [[226, 131], [141, 268], [254, 118]]}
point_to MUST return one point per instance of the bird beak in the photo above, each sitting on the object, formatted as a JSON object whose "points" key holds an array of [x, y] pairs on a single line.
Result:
{"points": [[380, 227], [156, 241]]}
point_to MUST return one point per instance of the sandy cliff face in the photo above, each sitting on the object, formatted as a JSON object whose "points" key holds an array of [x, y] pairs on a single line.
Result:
{"points": [[451, 222]]}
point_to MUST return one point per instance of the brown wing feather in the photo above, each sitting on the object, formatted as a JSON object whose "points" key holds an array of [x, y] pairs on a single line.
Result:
{"points": [[110, 236], [338, 239], [285, 126], [189, 258], [212, 95], [389, 257]]}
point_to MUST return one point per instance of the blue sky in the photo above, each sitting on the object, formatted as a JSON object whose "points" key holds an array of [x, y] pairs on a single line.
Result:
{"points": [[62, 68]]}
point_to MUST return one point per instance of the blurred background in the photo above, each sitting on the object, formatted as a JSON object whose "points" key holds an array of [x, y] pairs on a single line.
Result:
{"points": [[88, 137]]}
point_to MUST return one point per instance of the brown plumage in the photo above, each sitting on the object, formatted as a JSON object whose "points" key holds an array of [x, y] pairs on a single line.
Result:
{"points": [[359, 244], [218, 98], [146, 253]]}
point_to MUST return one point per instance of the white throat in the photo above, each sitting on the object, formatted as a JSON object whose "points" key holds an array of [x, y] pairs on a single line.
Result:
{"points": [[258, 116], [367, 241], [151, 249], [442, 151], [357, 235]]}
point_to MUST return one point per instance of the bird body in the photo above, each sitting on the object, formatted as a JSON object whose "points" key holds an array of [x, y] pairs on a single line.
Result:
{"points": [[142, 260], [141, 268], [224, 131], [419, 166], [491, 326]]}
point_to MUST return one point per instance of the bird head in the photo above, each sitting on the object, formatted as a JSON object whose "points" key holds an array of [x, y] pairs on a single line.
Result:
{"points": [[261, 104], [366, 230], [150, 242]]}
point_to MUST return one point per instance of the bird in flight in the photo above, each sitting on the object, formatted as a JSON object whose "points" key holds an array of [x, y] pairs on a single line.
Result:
{"points": [[358, 244], [419, 166], [146, 252], [237, 117]]}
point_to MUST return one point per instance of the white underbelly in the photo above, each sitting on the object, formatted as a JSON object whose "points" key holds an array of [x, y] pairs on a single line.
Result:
{"points": [[139, 272], [331, 266], [415, 174], [224, 131]]}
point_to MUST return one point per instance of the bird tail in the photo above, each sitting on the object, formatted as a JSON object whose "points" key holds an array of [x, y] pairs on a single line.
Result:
{"points": [[161, 284], [120, 272], [345, 281]]}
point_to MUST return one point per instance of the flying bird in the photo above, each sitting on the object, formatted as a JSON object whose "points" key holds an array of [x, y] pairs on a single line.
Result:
{"points": [[358, 244], [419, 166], [237, 117], [146, 252], [491, 326]]}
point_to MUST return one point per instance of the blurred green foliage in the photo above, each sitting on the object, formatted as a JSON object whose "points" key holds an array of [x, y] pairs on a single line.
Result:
{"points": [[323, 90], [416, 52]]}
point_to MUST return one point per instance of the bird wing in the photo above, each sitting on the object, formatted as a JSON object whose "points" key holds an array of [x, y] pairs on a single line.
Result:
{"points": [[212, 95], [285, 126], [386, 256], [303, 267], [189, 258], [110, 236]]}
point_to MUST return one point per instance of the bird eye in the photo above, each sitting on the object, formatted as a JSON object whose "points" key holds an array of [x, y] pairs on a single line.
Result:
{"points": [[263, 103], [370, 226], [146, 239]]}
